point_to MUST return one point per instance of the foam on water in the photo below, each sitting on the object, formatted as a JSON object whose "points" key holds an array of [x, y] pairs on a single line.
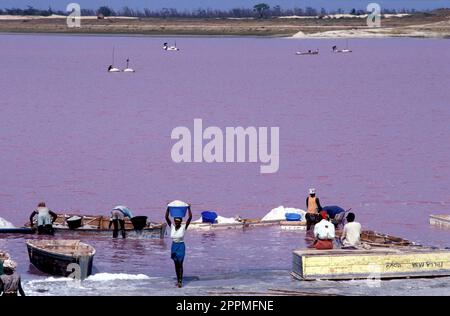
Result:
{"points": [[117, 276]]}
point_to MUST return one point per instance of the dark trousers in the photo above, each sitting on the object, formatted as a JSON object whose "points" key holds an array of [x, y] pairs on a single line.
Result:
{"points": [[46, 230], [311, 220], [118, 224]]}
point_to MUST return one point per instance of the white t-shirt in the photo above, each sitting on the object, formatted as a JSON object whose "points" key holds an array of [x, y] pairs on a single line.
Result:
{"points": [[351, 234], [324, 230], [177, 235]]}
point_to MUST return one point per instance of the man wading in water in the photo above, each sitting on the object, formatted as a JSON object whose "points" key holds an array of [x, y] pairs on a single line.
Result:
{"points": [[313, 208], [177, 231]]}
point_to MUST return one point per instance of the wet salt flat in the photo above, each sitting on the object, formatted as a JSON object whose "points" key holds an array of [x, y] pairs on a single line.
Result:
{"points": [[369, 130]]}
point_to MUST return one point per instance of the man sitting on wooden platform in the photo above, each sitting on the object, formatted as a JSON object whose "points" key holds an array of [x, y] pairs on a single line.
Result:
{"points": [[324, 233]]}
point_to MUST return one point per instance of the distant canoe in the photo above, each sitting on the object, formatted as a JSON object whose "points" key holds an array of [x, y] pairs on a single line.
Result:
{"points": [[440, 220], [307, 53], [17, 230], [55, 257], [99, 226]]}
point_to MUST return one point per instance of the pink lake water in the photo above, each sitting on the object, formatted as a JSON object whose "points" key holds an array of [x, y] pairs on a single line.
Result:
{"points": [[369, 130]]}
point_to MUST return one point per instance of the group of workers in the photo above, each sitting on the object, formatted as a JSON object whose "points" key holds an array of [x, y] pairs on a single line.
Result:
{"points": [[319, 222]]}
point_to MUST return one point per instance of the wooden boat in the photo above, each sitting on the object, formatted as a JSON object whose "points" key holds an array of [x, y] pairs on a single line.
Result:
{"points": [[316, 52], [293, 225], [18, 230], [243, 224], [56, 256], [373, 264], [377, 239], [440, 220], [99, 225]]}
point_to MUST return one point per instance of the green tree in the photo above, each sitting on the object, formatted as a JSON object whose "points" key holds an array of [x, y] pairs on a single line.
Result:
{"points": [[261, 9]]}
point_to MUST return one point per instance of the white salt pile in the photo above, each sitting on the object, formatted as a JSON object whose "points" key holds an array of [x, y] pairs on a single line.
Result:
{"points": [[5, 224], [279, 213]]}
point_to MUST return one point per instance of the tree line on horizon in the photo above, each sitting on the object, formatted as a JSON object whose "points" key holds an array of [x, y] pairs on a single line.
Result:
{"points": [[260, 10]]}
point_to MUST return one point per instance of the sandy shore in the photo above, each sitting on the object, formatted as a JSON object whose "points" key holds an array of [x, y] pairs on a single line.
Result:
{"points": [[435, 24]]}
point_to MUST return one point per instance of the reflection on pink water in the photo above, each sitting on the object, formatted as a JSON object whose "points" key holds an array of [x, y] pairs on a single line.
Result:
{"points": [[369, 130]]}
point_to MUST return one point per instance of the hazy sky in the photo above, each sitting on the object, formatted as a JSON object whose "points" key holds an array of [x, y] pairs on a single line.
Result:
{"points": [[226, 4]]}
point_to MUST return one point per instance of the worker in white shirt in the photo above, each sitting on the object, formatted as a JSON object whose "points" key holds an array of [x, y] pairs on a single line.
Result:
{"points": [[324, 233], [351, 236]]}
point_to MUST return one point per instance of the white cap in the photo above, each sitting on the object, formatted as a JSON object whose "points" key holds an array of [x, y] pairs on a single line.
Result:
{"points": [[312, 191], [10, 264], [177, 203]]}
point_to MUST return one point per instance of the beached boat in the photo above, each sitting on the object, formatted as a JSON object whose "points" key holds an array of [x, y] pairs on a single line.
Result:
{"points": [[18, 230], [99, 225], [440, 220], [56, 257]]}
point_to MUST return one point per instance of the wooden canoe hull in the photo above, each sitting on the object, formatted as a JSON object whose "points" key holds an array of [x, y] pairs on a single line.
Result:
{"points": [[246, 223], [18, 230], [372, 264], [99, 226], [146, 233], [57, 264], [440, 220]]}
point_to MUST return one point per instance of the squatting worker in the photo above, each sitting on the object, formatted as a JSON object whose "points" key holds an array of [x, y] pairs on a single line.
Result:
{"points": [[313, 208], [324, 233], [10, 283], [178, 250]]}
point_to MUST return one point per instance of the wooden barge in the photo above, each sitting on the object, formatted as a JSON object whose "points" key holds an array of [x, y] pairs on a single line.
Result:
{"points": [[387, 257]]}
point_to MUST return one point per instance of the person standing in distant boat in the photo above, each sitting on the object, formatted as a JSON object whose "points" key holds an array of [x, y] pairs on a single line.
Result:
{"points": [[313, 208], [117, 220], [178, 250], [10, 283], [45, 219]]}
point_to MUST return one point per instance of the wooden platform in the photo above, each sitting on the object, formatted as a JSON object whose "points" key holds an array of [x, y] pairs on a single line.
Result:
{"points": [[293, 225], [341, 264], [440, 220]]}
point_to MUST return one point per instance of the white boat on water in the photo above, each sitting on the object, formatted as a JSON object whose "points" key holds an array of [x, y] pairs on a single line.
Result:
{"points": [[173, 48], [128, 69], [440, 220], [309, 52], [111, 67], [345, 50]]}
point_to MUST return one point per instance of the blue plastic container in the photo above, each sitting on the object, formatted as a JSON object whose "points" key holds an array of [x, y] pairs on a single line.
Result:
{"points": [[178, 211], [293, 217], [209, 217]]}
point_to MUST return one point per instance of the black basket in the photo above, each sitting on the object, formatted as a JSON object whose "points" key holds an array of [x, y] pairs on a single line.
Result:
{"points": [[74, 222], [139, 222]]}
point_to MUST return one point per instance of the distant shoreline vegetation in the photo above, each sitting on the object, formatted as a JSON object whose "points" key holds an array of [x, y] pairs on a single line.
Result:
{"points": [[259, 11]]}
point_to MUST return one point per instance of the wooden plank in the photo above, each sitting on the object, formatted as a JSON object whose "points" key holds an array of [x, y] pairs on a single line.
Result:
{"points": [[362, 264]]}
